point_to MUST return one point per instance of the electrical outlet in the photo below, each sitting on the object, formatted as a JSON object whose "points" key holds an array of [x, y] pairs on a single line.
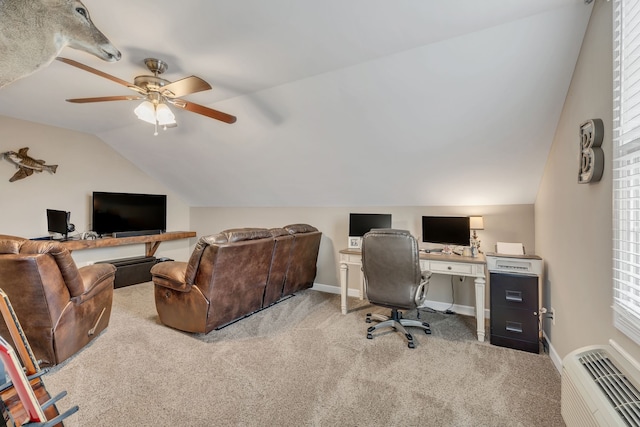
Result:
{"points": [[552, 314]]}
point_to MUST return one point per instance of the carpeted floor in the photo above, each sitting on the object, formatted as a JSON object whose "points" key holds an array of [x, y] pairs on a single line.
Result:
{"points": [[300, 363]]}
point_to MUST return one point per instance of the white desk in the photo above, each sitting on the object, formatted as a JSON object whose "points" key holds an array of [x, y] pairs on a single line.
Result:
{"points": [[451, 265]]}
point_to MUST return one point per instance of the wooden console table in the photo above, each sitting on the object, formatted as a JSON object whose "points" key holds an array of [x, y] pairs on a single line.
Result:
{"points": [[151, 241]]}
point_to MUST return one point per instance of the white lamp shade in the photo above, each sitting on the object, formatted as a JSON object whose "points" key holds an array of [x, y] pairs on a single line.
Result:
{"points": [[146, 112], [164, 115], [476, 223]]}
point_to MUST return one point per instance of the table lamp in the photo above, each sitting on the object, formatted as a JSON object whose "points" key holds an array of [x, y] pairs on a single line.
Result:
{"points": [[476, 223]]}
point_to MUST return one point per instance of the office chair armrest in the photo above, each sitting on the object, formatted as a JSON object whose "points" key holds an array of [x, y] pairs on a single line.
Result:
{"points": [[421, 292]]}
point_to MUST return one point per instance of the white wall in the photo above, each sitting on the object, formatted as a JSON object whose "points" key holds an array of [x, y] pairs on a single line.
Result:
{"points": [[511, 223], [574, 221], [85, 164]]}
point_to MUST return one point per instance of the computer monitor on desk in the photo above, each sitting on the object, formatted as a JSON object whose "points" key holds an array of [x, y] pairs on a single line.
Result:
{"points": [[361, 223], [58, 222], [446, 231]]}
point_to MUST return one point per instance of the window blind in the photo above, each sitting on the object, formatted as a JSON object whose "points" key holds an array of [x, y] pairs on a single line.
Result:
{"points": [[626, 167]]}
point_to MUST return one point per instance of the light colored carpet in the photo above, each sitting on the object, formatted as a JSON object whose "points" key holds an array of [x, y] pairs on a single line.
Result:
{"points": [[300, 363]]}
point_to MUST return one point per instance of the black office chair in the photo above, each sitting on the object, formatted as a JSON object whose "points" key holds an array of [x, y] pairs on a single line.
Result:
{"points": [[393, 279]]}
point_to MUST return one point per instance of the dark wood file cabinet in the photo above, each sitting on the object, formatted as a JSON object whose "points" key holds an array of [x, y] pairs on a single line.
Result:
{"points": [[514, 311]]}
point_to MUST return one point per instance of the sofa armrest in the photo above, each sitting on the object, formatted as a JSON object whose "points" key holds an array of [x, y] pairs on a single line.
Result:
{"points": [[95, 278], [171, 274]]}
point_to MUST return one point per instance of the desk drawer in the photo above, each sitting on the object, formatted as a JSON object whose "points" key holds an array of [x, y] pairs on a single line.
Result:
{"points": [[450, 267]]}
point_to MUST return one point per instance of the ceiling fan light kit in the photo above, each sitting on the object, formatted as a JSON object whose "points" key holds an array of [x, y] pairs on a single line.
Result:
{"points": [[156, 93], [156, 114], [154, 110]]}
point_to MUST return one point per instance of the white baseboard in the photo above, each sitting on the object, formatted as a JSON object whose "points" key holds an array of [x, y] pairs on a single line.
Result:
{"points": [[553, 354], [465, 310], [330, 289]]}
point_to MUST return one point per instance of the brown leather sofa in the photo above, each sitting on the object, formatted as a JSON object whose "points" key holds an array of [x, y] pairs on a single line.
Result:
{"points": [[61, 308], [233, 274]]}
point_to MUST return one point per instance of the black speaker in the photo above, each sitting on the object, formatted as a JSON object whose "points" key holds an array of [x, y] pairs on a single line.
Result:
{"points": [[130, 271]]}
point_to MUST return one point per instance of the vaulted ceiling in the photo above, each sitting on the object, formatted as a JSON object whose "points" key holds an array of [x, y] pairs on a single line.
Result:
{"points": [[339, 102]]}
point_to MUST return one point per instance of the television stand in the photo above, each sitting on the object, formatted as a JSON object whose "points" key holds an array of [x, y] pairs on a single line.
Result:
{"points": [[151, 241]]}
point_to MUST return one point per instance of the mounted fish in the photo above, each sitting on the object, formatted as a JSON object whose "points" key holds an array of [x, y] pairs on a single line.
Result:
{"points": [[26, 165]]}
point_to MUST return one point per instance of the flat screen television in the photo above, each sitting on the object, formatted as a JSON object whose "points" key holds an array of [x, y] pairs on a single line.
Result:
{"points": [[129, 214], [446, 230], [361, 223], [58, 222]]}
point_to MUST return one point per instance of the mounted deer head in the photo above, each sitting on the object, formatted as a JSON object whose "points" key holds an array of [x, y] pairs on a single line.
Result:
{"points": [[33, 32]]}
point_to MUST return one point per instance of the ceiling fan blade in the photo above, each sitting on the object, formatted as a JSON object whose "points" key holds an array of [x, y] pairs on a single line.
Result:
{"points": [[184, 87], [205, 111], [101, 74], [105, 98]]}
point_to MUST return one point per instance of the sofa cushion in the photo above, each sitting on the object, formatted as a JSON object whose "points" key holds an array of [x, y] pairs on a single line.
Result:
{"points": [[241, 234], [300, 228]]}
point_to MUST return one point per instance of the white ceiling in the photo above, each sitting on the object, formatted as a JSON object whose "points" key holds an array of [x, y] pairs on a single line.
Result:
{"points": [[339, 102]]}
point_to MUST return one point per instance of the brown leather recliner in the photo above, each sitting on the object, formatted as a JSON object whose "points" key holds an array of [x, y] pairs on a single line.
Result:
{"points": [[304, 257], [223, 281], [282, 246], [61, 308]]}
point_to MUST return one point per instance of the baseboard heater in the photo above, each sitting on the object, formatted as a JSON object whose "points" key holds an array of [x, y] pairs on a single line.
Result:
{"points": [[130, 271], [600, 387]]}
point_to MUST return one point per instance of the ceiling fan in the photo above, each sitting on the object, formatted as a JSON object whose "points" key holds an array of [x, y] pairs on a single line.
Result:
{"points": [[156, 93]]}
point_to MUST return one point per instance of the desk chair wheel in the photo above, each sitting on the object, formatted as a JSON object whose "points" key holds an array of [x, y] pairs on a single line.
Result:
{"points": [[410, 344], [369, 336], [368, 319]]}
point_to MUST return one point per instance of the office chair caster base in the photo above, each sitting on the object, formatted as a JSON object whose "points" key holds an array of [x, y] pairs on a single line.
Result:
{"points": [[427, 328], [397, 323]]}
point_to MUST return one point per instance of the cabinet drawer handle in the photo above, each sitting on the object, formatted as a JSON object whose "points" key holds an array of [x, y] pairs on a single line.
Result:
{"points": [[514, 327], [514, 296]]}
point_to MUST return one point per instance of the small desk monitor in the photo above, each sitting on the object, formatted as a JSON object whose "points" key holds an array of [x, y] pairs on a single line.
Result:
{"points": [[361, 223], [446, 230], [58, 222]]}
